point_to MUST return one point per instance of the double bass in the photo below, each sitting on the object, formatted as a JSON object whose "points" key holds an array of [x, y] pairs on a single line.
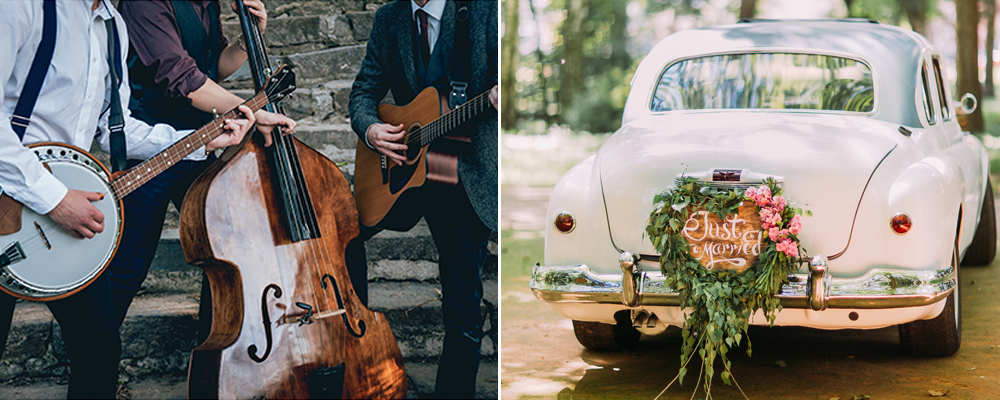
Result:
{"points": [[269, 226]]}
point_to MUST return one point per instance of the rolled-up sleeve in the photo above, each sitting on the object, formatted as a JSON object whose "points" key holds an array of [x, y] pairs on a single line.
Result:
{"points": [[142, 140], [152, 29], [22, 177]]}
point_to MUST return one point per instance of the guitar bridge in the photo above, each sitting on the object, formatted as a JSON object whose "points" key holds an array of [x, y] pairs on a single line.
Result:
{"points": [[12, 254]]}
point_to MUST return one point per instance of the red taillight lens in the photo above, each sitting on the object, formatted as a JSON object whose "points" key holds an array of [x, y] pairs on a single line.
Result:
{"points": [[901, 223], [565, 222]]}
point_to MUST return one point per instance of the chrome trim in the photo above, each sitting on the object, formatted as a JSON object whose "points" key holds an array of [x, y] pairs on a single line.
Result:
{"points": [[882, 287], [819, 283], [629, 279]]}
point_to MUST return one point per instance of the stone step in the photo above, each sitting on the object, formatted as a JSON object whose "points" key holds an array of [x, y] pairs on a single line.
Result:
{"points": [[317, 100], [338, 63], [160, 331], [421, 376], [319, 134], [289, 34], [392, 256]]}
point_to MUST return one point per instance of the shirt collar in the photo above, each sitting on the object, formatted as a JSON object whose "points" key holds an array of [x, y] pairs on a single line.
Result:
{"points": [[434, 8], [103, 10]]}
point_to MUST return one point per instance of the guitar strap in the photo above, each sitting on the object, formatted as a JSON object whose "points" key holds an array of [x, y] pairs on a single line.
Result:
{"points": [[21, 118], [116, 119], [460, 56]]}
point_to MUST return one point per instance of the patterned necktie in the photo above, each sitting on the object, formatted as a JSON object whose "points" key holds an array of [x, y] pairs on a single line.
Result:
{"points": [[425, 44]]}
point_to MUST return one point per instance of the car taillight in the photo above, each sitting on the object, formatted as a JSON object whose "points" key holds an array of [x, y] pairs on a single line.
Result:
{"points": [[901, 223], [564, 222]]}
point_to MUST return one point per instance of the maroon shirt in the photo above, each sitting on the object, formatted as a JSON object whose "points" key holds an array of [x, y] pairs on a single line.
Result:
{"points": [[153, 33]]}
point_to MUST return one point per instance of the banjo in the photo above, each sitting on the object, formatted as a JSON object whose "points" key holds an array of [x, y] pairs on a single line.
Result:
{"points": [[41, 261]]}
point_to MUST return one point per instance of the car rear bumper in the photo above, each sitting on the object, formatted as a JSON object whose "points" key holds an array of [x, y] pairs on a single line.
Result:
{"points": [[881, 288]]}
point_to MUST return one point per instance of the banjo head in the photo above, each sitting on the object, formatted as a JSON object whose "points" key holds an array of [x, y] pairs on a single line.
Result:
{"points": [[55, 262]]}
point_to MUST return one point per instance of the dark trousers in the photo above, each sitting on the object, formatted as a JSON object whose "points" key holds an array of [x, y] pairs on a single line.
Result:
{"points": [[460, 238], [90, 320]]}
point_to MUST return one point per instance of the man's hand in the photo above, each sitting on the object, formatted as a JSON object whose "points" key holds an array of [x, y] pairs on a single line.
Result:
{"points": [[75, 213], [266, 121], [255, 7], [236, 129], [384, 138], [494, 96]]}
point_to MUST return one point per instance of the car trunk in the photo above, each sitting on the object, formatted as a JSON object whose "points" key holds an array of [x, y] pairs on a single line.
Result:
{"points": [[823, 161]]}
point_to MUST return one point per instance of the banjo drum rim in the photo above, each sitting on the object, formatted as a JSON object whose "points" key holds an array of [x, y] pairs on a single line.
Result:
{"points": [[118, 235]]}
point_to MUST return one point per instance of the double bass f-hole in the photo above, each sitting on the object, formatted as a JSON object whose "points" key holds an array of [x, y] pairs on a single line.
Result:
{"points": [[340, 303], [252, 349]]}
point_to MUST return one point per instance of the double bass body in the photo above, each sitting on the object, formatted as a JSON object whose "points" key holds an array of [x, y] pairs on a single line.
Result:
{"points": [[285, 319]]}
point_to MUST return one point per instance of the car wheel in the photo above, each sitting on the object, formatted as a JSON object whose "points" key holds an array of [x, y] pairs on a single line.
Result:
{"points": [[984, 245], [603, 337], [940, 336]]}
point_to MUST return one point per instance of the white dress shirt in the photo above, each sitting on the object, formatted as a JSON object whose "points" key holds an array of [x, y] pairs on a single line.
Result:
{"points": [[73, 104], [434, 10]]}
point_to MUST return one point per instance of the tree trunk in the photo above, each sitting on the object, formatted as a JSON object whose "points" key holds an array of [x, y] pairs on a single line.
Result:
{"points": [[571, 65], [848, 4], [619, 37], [967, 60], [991, 23], [748, 9], [540, 65], [509, 44], [916, 14]]}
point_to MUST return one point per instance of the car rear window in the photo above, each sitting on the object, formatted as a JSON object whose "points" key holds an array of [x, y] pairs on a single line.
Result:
{"points": [[789, 81]]}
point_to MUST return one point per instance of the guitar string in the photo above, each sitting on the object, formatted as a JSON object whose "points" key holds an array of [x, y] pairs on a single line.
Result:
{"points": [[135, 177], [451, 120]]}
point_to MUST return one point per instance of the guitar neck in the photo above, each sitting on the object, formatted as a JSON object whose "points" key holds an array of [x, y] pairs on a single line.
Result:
{"points": [[142, 173], [454, 119]]}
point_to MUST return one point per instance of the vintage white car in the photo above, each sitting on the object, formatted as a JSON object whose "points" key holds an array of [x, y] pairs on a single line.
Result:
{"points": [[855, 121]]}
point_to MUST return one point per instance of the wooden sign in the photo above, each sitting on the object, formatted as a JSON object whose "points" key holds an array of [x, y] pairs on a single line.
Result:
{"points": [[731, 245]]}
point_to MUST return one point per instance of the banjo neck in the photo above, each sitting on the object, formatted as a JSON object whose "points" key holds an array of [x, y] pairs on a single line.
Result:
{"points": [[142, 173]]}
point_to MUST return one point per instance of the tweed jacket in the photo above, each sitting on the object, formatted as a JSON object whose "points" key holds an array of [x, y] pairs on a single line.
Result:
{"points": [[389, 66]]}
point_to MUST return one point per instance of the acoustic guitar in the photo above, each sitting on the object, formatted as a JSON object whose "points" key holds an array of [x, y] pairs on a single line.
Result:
{"points": [[40, 260], [431, 155]]}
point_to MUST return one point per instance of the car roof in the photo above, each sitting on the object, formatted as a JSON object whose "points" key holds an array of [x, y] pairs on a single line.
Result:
{"points": [[894, 55]]}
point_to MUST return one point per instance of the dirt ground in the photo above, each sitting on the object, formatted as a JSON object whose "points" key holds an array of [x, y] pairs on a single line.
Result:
{"points": [[541, 358]]}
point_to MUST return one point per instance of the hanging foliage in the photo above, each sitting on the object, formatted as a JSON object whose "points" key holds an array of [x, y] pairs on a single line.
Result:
{"points": [[727, 253]]}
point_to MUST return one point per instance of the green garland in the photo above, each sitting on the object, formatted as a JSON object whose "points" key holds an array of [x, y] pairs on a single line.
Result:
{"points": [[718, 304]]}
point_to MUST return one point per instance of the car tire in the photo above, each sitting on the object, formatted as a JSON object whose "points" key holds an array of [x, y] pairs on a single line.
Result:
{"points": [[940, 336], [983, 249], [599, 336]]}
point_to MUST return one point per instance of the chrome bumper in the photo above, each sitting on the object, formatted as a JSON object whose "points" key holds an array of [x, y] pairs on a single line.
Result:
{"points": [[880, 288]]}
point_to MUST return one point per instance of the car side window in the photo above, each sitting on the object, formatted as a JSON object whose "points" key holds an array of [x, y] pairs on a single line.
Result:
{"points": [[928, 103], [943, 99]]}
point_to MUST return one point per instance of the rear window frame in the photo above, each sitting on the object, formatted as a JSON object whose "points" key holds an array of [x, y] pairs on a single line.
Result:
{"points": [[874, 74]]}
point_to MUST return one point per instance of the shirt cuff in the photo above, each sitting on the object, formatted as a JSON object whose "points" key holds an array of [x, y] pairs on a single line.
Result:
{"points": [[199, 154], [44, 195], [366, 137]]}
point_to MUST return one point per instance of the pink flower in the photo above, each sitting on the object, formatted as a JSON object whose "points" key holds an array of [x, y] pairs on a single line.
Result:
{"points": [[774, 233], [763, 197], [789, 247], [769, 217], [751, 193], [795, 225], [779, 203]]}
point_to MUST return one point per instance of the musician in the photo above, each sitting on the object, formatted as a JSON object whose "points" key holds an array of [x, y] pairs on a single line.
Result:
{"points": [[177, 55], [73, 106], [462, 216]]}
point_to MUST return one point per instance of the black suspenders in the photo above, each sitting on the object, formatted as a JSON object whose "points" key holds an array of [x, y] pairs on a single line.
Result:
{"points": [[36, 75]]}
